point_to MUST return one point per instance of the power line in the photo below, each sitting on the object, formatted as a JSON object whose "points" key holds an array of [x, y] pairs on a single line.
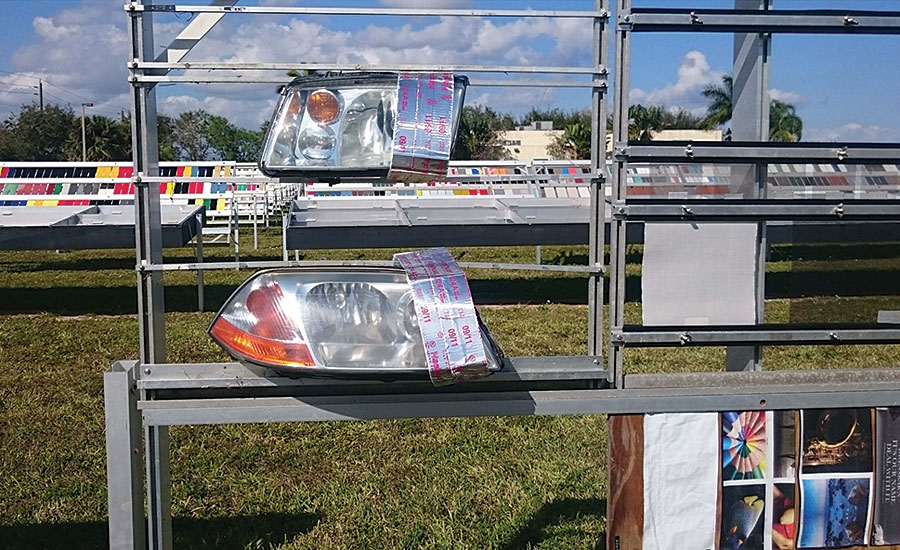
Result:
{"points": [[65, 90]]}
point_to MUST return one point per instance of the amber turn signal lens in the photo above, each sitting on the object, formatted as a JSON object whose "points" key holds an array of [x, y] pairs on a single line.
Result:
{"points": [[323, 107]]}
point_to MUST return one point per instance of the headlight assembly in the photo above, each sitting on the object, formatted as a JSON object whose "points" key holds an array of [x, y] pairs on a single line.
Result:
{"points": [[364, 125], [339, 321]]}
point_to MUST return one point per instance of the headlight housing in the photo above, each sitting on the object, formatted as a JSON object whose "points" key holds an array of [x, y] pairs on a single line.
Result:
{"points": [[338, 322], [351, 124]]}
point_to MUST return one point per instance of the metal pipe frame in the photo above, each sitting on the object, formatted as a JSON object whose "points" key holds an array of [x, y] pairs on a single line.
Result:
{"points": [[152, 395], [772, 21], [755, 335], [207, 78], [757, 152], [406, 12], [759, 20], [599, 269], [691, 210], [237, 66]]}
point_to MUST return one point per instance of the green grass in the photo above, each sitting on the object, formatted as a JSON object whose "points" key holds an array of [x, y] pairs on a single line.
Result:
{"points": [[502, 483]]}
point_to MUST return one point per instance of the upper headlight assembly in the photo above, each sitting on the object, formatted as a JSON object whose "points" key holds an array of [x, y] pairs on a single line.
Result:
{"points": [[338, 322], [364, 125]]}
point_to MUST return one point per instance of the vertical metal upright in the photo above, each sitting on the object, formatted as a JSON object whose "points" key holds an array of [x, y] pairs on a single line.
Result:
{"points": [[750, 122], [148, 242], [616, 350], [599, 54]]}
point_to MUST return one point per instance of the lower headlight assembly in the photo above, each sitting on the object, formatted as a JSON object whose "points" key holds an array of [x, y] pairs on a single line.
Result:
{"points": [[338, 322]]}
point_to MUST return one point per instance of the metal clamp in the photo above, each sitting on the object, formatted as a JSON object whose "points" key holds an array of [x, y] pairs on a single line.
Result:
{"points": [[838, 210], [850, 20], [843, 153], [687, 210], [689, 151], [695, 19], [620, 212], [686, 338]]}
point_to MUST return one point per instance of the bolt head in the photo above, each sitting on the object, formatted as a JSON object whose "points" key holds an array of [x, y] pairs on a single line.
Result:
{"points": [[147, 370]]}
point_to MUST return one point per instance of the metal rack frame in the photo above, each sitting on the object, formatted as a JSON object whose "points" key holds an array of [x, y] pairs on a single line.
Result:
{"points": [[124, 385], [143, 398], [752, 22]]}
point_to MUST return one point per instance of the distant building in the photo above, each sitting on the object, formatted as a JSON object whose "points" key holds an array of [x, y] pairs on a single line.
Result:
{"points": [[527, 143], [688, 135]]}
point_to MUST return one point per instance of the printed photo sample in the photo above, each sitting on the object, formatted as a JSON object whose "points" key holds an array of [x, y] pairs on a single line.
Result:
{"points": [[784, 517], [743, 513], [886, 523], [743, 445], [834, 512], [836, 441]]}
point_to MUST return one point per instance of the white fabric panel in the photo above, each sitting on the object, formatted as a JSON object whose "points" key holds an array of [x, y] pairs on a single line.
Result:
{"points": [[681, 478], [699, 274]]}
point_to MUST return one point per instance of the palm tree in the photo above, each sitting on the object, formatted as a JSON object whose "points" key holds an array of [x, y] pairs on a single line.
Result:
{"points": [[719, 109], [574, 143], [643, 121], [784, 124]]}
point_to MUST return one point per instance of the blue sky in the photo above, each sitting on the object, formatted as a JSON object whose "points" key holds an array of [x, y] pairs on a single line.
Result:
{"points": [[844, 87]]}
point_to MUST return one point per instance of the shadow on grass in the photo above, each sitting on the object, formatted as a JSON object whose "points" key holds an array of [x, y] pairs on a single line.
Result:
{"points": [[553, 513], [259, 531], [120, 300]]}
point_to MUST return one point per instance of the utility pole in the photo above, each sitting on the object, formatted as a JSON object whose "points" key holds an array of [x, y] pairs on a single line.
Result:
{"points": [[41, 93], [84, 133]]}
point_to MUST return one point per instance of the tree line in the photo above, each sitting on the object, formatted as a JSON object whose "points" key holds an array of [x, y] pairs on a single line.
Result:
{"points": [[479, 136], [54, 134]]}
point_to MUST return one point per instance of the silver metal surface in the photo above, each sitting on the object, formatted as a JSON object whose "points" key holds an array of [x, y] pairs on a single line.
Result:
{"points": [[757, 335], [741, 209], [410, 12], [776, 21], [210, 78], [87, 227], [124, 478], [411, 67], [423, 222], [744, 152]]}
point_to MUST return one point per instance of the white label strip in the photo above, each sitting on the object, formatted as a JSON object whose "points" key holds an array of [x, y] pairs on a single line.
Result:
{"points": [[447, 318], [422, 132]]}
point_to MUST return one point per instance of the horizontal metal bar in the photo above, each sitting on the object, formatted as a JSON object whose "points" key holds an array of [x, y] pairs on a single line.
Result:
{"points": [[250, 66], [775, 209], [209, 78], [761, 152], [752, 335], [773, 21], [376, 263], [519, 403], [407, 12], [227, 376], [750, 378]]}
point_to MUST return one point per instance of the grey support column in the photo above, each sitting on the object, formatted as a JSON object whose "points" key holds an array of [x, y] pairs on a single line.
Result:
{"points": [[750, 122], [148, 240], [124, 481]]}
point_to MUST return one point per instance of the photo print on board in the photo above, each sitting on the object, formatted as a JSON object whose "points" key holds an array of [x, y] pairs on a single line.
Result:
{"points": [[886, 528], [836, 441], [743, 513], [743, 445], [835, 511], [784, 516]]}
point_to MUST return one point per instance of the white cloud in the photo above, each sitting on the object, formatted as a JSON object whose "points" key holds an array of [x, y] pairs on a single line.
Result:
{"points": [[447, 4], [853, 131], [792, 98], [83, 51], [694, 74]]}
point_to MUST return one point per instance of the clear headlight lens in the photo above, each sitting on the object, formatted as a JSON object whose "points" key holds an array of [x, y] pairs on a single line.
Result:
{"points": [[326, 127], [328, 322]]}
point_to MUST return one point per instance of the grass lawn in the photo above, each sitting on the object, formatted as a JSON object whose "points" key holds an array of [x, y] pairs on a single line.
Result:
{"points": [[504, 483]]}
